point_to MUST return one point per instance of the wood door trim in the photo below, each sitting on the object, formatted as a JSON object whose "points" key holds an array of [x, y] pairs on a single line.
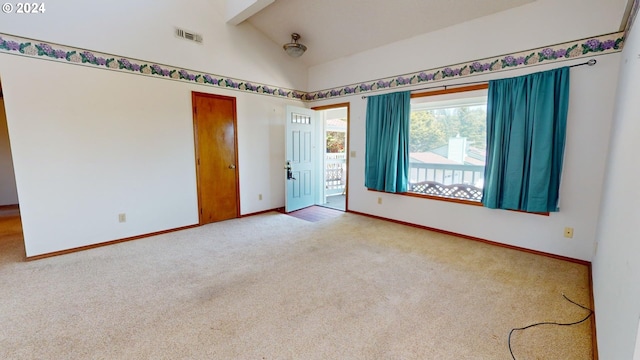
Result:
{"points": [[332, 106], [195, 94], [451, 90]]}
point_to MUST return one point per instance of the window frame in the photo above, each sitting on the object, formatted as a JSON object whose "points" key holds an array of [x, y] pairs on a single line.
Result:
{"points": [[446, 91]]}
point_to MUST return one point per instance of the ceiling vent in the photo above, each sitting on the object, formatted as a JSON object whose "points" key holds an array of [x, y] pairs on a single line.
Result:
{"points": [[189, 35]]}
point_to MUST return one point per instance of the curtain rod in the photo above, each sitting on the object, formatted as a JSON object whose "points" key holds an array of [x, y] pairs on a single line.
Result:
{"points": [[591, 62]]}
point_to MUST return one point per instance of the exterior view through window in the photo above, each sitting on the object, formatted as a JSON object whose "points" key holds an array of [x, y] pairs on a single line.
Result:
{"points": [[447, 145]]}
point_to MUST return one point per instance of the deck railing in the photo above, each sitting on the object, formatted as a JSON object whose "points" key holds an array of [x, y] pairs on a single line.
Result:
{"points": [[335, 173], [447, 180]]}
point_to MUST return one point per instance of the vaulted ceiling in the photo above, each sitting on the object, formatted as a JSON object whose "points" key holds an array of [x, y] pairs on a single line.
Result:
{"points": [[336, 28], [332, 29]]}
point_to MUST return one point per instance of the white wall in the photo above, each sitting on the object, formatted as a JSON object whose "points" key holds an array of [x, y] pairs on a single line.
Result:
{"points": [[537, 24], [115, 105], [144, 29], [590, 108], [261, 152], [8, 192], [616, 269], [89, 144]]}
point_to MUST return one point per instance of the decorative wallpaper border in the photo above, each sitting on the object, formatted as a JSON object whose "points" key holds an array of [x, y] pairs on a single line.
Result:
{"points": [[571, 50], [49, 51], [603, 44]]}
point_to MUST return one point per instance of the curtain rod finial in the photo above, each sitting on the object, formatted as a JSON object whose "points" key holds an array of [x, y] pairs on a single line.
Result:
{"points": [[592, 62]]}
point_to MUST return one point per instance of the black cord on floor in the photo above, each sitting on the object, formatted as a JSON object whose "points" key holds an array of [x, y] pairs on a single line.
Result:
{"points": [[550, 323]]}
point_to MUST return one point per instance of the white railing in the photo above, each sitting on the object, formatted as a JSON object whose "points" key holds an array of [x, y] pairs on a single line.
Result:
{"points": [[463, 182], [335, 173], [446, 174]]}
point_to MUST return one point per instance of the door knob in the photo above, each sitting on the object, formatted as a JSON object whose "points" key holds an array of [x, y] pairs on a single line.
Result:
{"points": [[289, 171], [232, 166]]}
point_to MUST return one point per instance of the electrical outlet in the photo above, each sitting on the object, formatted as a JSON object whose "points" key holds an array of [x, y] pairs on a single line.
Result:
{"points": [[379, 200], [259, 196], [568, 232], [122, 217]]}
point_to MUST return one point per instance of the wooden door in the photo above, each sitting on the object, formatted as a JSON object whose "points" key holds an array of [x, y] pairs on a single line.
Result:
{"points": [[214, 122]]}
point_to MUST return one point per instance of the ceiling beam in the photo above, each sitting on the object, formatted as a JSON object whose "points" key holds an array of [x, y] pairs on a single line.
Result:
{"points": [[238, 11], [630, 12]]}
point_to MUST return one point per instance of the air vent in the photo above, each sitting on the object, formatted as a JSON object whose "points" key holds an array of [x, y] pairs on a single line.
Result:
{"points": [[189, 35]]}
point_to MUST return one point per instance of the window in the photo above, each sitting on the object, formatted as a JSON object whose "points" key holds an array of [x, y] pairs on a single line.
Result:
{"points": [[300, 119], [447, 143]]}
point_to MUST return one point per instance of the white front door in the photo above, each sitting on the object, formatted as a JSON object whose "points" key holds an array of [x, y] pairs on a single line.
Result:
{"points": [[300, 158]]}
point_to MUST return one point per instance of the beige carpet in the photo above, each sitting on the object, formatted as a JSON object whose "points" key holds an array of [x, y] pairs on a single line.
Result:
{"points": [[276, 287]]}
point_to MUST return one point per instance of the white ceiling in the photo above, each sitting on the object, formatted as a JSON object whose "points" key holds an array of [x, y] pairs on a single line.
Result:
{"points": [[332, 29]]}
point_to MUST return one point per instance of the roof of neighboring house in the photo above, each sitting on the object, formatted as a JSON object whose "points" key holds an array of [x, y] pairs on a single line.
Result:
{"points": [[477, 153], [468, 160], [336, 123], [431, 158], [441, 150]]}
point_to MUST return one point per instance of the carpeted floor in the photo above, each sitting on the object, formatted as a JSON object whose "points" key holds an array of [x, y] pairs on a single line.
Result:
{"points": [[273, 286]]}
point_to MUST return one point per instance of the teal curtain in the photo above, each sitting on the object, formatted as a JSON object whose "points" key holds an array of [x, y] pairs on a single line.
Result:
{"points": [[387, 142], [526, 126]]}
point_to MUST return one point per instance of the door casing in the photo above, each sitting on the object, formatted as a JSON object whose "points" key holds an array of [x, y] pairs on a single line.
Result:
{"points": [[348, 153]]}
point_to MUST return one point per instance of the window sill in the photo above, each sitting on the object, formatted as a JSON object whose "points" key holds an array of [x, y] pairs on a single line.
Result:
{"points": [[457, 201], [466, 202], [441, 198], [432, 197]]}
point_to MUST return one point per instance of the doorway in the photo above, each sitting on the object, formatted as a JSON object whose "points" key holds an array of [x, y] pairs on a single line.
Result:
{"points": [[316, 162], [11, 236], [215, 133], [335, 124]]}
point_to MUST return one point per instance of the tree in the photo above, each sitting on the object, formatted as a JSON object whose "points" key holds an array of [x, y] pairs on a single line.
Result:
{"points": [[473, 125], [450, 121], [431, 129], [425, 132], [335, 141]]}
